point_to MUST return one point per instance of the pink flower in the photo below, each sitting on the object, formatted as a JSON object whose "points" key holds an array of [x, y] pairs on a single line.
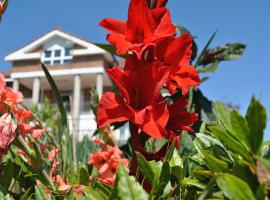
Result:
{"points": [[7, 132], [106, 160]]}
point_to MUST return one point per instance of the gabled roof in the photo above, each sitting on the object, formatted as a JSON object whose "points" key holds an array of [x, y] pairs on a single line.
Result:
{"points": [[27, 52]]}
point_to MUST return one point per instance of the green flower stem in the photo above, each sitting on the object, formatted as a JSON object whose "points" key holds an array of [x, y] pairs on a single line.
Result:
{"points": [[24, 145], [47, 178]]}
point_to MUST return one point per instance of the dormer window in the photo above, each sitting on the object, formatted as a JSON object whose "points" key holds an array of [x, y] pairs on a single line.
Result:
{"points": [[56, 54]]}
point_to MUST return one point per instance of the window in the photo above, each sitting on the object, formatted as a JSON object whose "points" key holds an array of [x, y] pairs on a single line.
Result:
{"points": [[57, 53], [57, 62], [67, 51], [48, 54], [57, 56], [47, 62], [67, 61]]}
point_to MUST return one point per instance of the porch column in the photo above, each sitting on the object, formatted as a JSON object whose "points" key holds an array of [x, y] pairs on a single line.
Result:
{"points": [[16, 85], [76, 100], [36, 90], [99, 84], [75, 115]]}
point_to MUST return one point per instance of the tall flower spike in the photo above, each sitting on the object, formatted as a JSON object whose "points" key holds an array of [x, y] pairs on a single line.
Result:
{"points": [[140, 101]]}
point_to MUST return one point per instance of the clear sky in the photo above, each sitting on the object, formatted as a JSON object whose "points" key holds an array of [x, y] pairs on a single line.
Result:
{"points": [[245, 21]]}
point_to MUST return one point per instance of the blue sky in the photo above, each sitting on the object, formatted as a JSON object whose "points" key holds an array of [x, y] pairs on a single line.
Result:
{"points": [[244, 21]]}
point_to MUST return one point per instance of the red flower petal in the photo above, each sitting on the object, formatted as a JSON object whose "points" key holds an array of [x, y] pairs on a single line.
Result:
{"points": [[111, 109], [114, 26]]}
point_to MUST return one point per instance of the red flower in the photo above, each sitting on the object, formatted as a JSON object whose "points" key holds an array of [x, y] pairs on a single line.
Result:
{"points": [[141, 103], [2, 82], [176, 53], [106, 160], [143, 27], [7, 132], [179, 120]]}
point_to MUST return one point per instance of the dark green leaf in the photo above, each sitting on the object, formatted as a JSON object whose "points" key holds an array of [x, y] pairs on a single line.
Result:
{"points": [[145, 167], [256, 117], [165, 173], [169, 152], [84, 176], [234, 188], [222, 53], [204, 49], [57, 95]]}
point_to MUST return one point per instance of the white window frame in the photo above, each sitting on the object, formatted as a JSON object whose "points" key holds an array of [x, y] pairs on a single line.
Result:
{"points": [[54, 47]]}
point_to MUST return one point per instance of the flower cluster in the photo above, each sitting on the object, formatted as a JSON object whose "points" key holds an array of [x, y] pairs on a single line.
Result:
{"points": [[155, 58], [106, 160], [14, 116]]}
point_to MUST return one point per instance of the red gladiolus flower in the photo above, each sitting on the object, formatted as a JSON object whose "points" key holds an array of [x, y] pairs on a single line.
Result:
{"points": [[176, 53], [140, 84], [7, 132], [144, 27]]}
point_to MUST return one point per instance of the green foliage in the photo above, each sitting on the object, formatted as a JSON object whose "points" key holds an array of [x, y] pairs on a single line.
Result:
{"points": [[234, 188], [128, 188]]}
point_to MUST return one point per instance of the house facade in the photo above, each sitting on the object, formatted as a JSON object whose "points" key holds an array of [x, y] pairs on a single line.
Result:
{"points": [[76, 65]]}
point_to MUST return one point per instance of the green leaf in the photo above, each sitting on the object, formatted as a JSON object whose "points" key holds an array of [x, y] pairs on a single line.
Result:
{"points": [[223, 116], [104, 188], [26, 195], [176, 160], [114, 193], [57, 95], [240, 127], [223, 53], [145, 167], [165, 173], [193, 182], [230, 142], [209, 68], [170, 151], [84, 176], [128, 187], [94, 194], [204, 49], [256, 117], [215, 164], [234, 188]]}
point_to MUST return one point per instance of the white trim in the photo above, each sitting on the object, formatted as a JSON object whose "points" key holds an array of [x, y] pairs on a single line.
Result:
{"points": [[9, 79], [23, 53], [62, 72]]}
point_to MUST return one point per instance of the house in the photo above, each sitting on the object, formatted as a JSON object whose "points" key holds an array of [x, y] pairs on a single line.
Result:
{"points": [[76, 65]]}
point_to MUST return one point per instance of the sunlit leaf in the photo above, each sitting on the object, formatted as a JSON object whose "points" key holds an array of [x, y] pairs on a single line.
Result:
{"points": [[234, 188], [128, 187]]}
